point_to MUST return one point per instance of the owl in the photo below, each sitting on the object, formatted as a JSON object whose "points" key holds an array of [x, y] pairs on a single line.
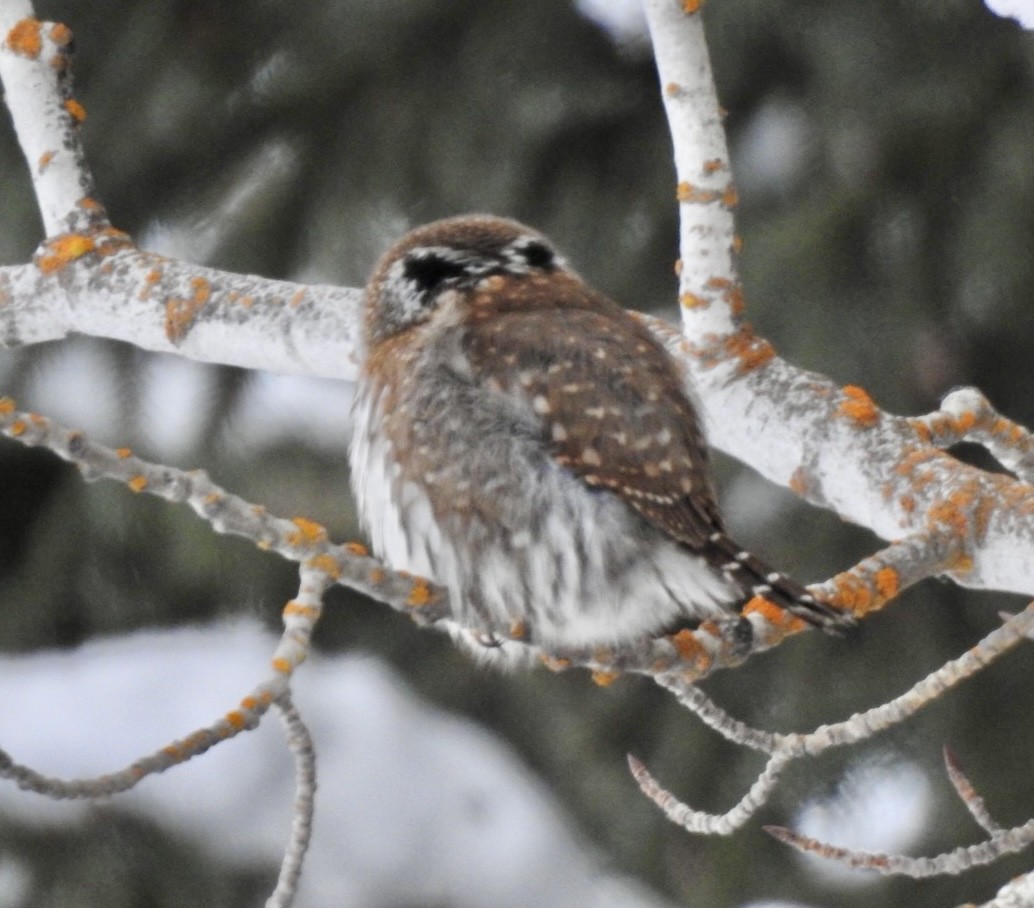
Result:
{"points": [[526, 443]]}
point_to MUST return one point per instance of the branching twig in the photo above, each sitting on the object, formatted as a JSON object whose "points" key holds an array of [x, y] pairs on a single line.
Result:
{"points": [[712, 824], [785, 748], [299, 540], [300, 742], [300, 615]]}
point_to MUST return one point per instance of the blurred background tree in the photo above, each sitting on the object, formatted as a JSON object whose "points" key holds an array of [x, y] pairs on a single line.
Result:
{"points": [[886, 172]]}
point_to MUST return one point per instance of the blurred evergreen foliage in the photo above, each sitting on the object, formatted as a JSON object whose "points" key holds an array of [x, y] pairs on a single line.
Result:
{"points": [[885, 160]]}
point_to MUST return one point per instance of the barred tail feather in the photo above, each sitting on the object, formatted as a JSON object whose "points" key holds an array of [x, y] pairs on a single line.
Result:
{"points": [[755, 578]]}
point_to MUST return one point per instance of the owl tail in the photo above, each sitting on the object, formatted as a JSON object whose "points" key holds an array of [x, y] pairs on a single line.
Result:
{"points": [[755, 578]]}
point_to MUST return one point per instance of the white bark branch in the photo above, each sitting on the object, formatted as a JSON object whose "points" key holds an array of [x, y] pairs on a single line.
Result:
{"points": [[830, 444]]}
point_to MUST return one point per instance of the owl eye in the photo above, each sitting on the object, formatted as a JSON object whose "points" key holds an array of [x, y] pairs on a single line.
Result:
{"points": [[528, 253], [538, 255], [429, 271]]}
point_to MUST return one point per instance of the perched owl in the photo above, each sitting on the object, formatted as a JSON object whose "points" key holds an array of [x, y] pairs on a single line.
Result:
{"points": [[523, 441]]}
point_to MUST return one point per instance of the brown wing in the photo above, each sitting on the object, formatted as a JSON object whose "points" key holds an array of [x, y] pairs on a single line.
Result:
{"points": [[612, 410], [610, 401]]}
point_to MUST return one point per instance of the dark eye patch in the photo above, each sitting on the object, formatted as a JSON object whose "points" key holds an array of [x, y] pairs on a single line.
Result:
{"points": [[430, 271], [538, 255]]}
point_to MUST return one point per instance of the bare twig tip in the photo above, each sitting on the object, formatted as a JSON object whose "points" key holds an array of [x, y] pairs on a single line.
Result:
{"points": [[781, 833]]}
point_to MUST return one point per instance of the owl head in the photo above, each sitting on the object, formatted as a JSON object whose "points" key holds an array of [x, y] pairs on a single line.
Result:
{"points": [[445, 259]]}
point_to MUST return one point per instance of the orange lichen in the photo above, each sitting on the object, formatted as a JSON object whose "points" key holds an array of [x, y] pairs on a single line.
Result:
{"points": [[296, 609], [730, 197], [851, 593], [45, 160], [24, 39], [180, 313], [888, 582], [950, 513], [63, 250], [690, 649], [691, 6], [982, 512], [356, 548], [296, 299], [751, 350], [1011, 430], [605, 679], [908, 503], [249, 703], [236, 719], [307, 532], [731, 292], [735, 299], [687, 192], [327, 564], [672, 89], [60, 34], [912, 460], [737, 244], [965, 421], [123, 453], [962, 564], [692, 301], [858, 406], [420, 595], [17, 427], [377, 576], [150, 279], [283, 666], [7, 406], [75, 110], [713, 165], [774, 615], [518, 630], [678, 267], [202, 289], [800, 481], [922, 430], [138, 483], [554, 664]]}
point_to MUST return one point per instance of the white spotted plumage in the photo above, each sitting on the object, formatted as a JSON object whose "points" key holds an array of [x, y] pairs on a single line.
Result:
{"points": [[582, 539], [524, 442]]}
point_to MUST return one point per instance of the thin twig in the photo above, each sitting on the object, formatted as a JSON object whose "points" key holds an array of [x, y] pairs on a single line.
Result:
{"points": [[709, 823], [951, 863], [300, 742], [968, 794]]}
